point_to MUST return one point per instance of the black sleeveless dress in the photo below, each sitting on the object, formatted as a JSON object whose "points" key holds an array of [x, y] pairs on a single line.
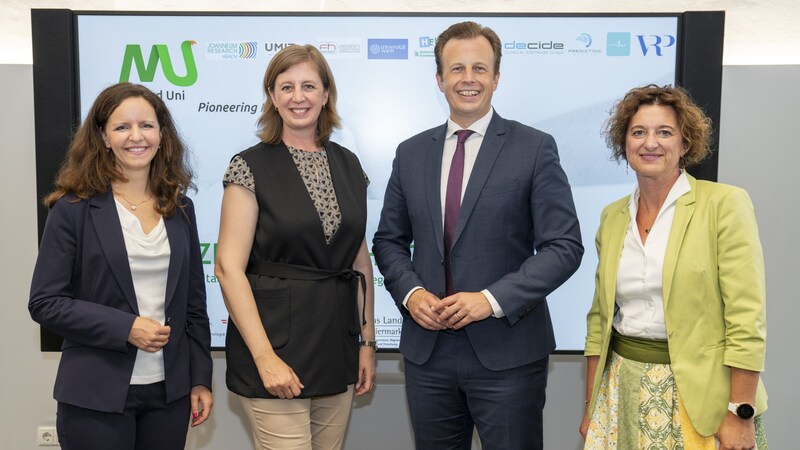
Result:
{"points": [[304, 287]]}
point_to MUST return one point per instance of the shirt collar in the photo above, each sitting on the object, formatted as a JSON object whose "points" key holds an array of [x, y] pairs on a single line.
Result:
{"points": [[479, 126], [678, 189]]}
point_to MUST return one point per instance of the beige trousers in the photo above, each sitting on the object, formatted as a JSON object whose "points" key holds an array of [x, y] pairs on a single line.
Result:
{"points": [[317, 423]]}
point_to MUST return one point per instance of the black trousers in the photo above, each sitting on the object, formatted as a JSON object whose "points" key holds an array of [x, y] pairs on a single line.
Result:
{"points": [[147, 422]]}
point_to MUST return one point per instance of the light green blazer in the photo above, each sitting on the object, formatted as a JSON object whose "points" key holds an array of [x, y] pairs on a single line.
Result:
{"points": [[714, 296]]}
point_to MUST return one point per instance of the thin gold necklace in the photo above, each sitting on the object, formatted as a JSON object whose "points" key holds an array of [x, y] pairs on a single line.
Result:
{"points": [[130, 203]]}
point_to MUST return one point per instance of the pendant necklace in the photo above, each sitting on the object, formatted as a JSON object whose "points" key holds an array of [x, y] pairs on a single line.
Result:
{"points": [[132, 205]]}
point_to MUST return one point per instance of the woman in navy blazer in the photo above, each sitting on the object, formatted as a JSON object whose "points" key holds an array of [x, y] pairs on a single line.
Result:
{"points": [[119, 276]]}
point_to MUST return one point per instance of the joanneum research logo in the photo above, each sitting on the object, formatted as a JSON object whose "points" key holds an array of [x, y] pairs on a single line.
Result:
{"points": [[159, 52]]}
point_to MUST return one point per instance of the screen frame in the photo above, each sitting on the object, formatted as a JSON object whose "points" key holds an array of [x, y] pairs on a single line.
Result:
{"points": [[54, 34]]}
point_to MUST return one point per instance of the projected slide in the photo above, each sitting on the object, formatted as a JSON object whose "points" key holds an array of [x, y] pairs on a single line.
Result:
{"points": [[558, 74]]}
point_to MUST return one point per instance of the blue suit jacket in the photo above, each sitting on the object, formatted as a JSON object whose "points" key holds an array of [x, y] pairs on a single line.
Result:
{"points": [[82, 289], [517, 236]]}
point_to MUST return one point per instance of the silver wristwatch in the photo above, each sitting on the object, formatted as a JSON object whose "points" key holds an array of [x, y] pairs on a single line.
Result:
{"points": [[373, 344]]}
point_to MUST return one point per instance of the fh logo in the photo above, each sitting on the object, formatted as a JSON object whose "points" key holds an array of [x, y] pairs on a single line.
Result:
{"points": [[656, 42], [133, 56]]}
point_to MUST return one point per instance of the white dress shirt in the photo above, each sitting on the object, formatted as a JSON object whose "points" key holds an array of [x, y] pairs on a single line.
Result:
{"points": [[148, 256], [639, 297], [471, 147]]}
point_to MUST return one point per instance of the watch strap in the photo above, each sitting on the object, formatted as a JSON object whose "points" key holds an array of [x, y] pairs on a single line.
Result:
{"points": [[734, 408]]}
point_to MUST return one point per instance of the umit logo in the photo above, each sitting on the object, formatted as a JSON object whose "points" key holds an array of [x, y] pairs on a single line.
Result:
{"points": [[133, 57]]}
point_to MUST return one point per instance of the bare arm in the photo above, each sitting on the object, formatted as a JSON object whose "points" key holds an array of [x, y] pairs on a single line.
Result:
{"points": [[366, 303], [591, 368], [735, 432], [237, 228]]}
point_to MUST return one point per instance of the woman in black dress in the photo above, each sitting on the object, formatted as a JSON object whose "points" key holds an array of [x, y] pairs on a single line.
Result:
{"points": [[294, 267]]}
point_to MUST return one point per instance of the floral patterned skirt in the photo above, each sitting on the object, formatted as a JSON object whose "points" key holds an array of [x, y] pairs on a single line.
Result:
{"points": [[638, 407]]}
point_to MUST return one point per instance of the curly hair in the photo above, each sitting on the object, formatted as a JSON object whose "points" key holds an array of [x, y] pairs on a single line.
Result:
{"points": [[695, 127], [270, 123], [467, 30], [89, 168]]}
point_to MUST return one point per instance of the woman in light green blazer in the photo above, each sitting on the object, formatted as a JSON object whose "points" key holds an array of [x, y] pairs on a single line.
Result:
{"points": [[676, 334]]}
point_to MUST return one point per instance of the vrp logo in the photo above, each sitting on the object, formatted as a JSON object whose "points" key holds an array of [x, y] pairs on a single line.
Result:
{"points": [[133, 56], [656, 42]]}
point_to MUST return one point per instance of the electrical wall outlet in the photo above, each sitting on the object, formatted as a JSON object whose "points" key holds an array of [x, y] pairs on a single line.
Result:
{"points": [[46, 437]]}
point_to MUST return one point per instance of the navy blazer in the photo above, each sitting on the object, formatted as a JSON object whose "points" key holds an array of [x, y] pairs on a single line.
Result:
{"points": [[517, 235], [82, 289]]}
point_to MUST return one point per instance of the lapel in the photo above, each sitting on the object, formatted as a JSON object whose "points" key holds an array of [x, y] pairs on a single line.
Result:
{"points": [[619, 221], [684, 209], [176, 232], [433, 180], [487, 155], [105, 219]]}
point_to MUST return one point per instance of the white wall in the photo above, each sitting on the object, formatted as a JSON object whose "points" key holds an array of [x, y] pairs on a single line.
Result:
{"points": [[26, 376], [759, 152], [760, 109], [757, 32]]}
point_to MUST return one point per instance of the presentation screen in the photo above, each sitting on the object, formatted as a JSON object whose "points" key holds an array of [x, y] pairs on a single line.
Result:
{"points": [[560, 74]]}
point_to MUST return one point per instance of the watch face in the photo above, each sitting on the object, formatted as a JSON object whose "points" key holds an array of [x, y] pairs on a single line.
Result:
{"points": [[745, 411]]}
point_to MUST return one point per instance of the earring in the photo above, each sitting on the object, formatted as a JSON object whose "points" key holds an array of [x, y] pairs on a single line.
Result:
{"points": [[626, 167], [276, 108], [323, 105]]}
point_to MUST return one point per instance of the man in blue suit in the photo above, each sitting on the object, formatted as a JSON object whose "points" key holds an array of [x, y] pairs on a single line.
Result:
{"points": [[493, 225]]}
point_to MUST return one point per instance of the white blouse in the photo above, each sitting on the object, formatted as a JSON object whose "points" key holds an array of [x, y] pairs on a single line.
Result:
{"points": [[639, 296], [148, 256]]}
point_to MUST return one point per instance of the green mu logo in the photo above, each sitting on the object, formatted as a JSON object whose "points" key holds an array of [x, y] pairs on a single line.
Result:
{"points": [[133, 56]]}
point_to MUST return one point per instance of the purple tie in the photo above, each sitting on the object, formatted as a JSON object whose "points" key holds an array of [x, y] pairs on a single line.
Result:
{"points": [[452, 204]]}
